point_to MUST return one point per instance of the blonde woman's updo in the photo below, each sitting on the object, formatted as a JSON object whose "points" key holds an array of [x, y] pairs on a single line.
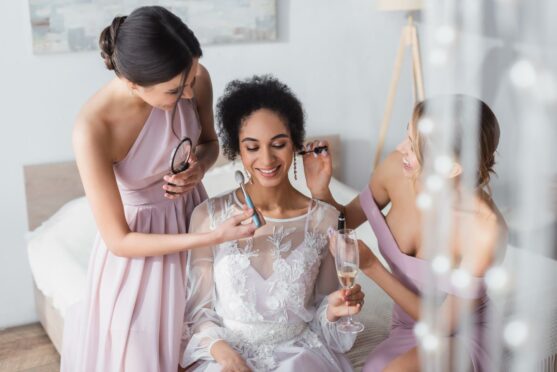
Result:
{"points": [[466, 112]]}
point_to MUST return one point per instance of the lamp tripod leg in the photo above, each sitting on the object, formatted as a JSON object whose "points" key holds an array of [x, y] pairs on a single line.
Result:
{"points": [[391, 96]]}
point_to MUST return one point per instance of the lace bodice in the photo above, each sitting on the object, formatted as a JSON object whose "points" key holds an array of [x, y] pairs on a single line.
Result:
{"points": [[264, 290]]}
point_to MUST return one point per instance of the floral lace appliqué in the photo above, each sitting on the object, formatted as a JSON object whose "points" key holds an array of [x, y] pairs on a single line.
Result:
{"points": [[277, 240], [295, 270]]}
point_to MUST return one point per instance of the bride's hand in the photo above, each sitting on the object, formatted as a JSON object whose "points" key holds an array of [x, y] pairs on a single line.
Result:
{"points": [[228, 358], [318, 169], [345, 302]]}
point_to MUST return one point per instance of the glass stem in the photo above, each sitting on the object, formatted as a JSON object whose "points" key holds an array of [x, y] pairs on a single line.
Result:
{"points": [[349, 315]]}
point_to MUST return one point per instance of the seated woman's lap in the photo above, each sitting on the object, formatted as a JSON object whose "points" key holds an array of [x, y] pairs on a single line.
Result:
{"points": [[303, 361], [399, 342], [306, 361]]}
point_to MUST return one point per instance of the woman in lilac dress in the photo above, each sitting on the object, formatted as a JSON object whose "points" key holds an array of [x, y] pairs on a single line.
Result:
{"points": [[267, 303], [131, 317], [396, 181]]}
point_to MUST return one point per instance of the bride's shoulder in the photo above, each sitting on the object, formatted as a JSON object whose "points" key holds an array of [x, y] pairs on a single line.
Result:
{"points": [[325, 211], [226, 200], [229, 195]]}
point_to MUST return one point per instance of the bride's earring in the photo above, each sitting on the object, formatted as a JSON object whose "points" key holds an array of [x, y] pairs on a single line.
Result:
{"points": [[295, 169]]}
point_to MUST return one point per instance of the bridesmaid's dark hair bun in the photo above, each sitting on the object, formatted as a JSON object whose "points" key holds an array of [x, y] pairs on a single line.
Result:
{"points": [[150, 46], [107, 41]]}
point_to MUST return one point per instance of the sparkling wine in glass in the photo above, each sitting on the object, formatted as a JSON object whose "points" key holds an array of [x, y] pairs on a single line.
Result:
{"points": [[347, 275], [347, 261]]}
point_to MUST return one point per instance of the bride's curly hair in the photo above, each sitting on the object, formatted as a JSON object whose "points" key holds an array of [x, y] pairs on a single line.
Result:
{"points": [[243, 97]]}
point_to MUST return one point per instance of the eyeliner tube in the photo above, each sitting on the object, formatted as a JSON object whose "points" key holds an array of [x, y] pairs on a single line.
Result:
{"points": [[341, 223]]}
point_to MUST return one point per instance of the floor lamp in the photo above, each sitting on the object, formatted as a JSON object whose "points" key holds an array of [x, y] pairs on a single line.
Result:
{"points": [[408, 39]]}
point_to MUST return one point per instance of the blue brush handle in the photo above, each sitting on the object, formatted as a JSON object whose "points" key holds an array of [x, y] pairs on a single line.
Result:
{"points": [[250, 204]]}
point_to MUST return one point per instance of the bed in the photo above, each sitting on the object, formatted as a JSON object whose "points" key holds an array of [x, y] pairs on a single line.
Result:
{"points": [[62, 231]]}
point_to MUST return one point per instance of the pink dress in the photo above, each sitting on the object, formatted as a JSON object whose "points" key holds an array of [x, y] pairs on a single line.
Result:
{"points": [[412, 273], [132, 314]]}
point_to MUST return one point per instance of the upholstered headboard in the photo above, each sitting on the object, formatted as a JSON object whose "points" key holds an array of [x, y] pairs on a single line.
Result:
{"points": [[49, 186]]}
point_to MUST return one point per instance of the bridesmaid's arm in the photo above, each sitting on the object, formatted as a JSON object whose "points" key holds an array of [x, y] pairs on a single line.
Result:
{"points": [[475, 262], [387, 175], [372, 267], [91, 140], [412, 303], [405, 298], [353, 212], [207, 150], [318, 171]]}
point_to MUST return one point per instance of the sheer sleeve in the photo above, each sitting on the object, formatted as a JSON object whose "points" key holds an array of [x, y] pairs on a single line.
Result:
{"points": [[201, 320], [326, 284]]}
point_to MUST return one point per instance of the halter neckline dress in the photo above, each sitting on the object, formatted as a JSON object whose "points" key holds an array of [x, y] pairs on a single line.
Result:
{"points": [[132, 314]]}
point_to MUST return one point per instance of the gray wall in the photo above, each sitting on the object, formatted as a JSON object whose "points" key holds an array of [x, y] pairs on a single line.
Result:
{"points": [[336, 55]]}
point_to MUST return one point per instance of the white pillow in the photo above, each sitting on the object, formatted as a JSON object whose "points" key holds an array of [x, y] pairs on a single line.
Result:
{"points": [[59, 252], [221, 179]]}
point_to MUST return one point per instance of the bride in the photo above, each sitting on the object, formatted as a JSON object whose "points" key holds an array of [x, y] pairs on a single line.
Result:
{"points": [[269, 302]]}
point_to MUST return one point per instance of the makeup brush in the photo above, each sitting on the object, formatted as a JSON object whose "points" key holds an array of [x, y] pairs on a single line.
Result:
{"points": [[240, 180]]}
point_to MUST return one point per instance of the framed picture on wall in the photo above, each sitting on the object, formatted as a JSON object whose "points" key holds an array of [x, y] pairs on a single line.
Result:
{"points": [[75, 25]]}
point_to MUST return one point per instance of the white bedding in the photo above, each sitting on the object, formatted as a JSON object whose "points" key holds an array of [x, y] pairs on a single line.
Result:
{"points": [[59, 251]]}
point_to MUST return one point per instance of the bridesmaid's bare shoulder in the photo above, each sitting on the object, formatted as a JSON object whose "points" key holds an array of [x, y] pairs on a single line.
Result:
{"points": [[92, 124], [387, 175]]}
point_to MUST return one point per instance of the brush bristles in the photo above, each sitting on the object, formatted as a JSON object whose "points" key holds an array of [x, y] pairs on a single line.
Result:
{"points": [[239, 177]]}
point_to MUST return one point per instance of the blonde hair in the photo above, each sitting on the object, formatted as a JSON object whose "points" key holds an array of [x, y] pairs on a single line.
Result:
{"points": [[467, 111]]}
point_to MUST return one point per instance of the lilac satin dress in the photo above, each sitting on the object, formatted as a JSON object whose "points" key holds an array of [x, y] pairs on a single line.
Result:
{"points": [[132, 314], [411, 272]]}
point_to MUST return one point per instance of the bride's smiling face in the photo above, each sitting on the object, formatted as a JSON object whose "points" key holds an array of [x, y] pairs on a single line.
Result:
{"points": [[266, 148]]}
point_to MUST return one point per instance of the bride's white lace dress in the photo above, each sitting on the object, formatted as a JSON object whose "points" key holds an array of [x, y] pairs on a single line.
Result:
{"points": [[265, 296]]}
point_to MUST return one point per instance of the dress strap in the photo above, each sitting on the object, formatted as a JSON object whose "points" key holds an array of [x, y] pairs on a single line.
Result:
{"points": [[367, 203], [460, 285]]}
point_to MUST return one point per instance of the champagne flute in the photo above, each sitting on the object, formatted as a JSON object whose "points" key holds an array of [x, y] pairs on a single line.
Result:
{"points": [[347, 261]]}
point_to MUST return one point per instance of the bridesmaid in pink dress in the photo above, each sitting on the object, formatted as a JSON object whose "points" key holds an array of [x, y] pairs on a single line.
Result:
{"points": [[396, 181], [132, 313]]}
